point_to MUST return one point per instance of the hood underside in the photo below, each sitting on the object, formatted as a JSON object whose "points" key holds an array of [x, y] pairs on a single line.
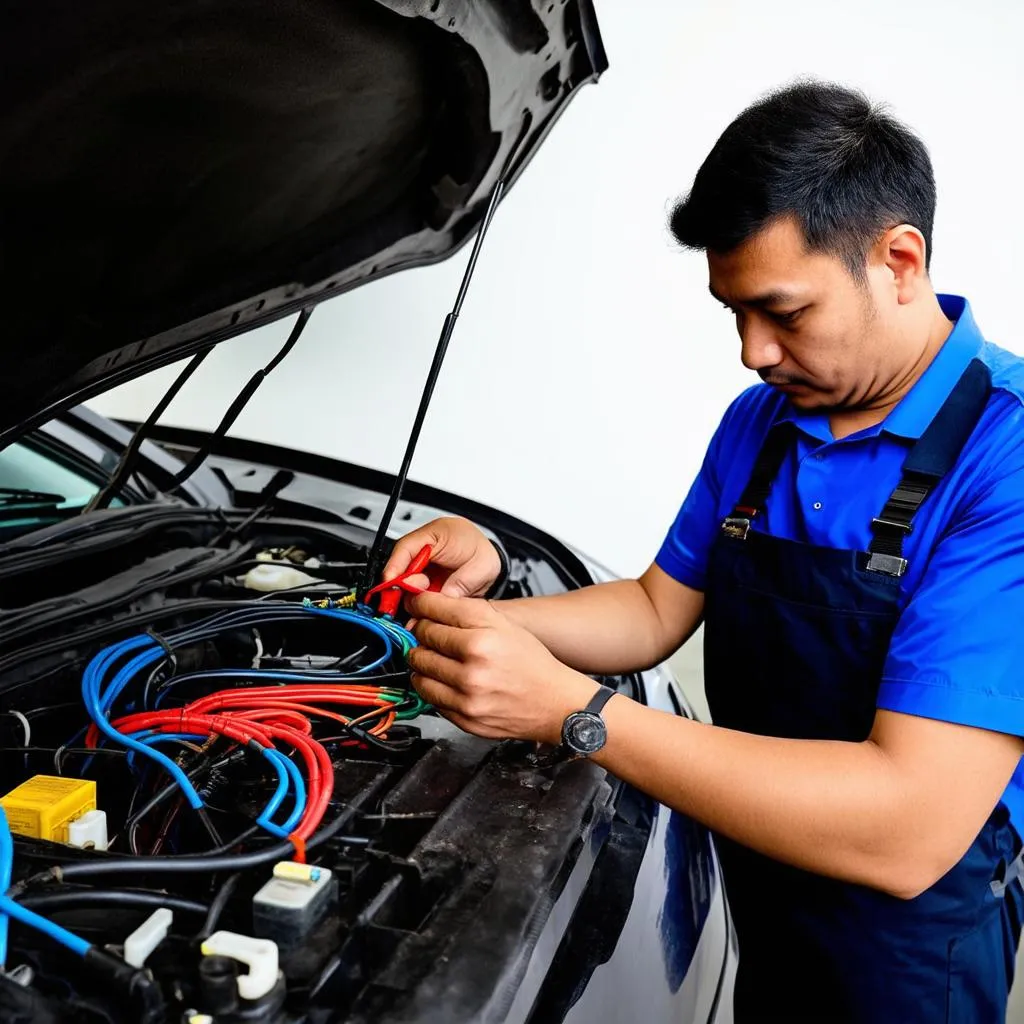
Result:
{"points": [[174, 174]]}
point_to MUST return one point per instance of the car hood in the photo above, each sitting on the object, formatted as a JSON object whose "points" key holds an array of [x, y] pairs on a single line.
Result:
{"points": [[173, 174]]}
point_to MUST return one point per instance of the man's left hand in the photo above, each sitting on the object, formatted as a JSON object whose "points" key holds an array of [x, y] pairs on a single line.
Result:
{"points": [[489, 676]]}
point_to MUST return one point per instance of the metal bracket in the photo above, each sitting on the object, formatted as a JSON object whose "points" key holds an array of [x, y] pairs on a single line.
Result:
{"points": [[733, 526]]}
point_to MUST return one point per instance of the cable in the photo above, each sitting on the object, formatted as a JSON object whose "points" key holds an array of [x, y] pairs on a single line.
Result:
{"points": [[6, 870], [217, 907], [126, 463], [240, 401], [56, 901], [375, 559]]}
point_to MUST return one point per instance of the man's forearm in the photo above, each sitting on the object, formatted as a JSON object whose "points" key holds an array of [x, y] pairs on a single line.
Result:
{"points": [[603, 629], [838, 809]]}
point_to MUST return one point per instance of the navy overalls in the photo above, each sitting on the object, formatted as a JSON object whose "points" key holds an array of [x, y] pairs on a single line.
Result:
{"points": [[795, 640]]}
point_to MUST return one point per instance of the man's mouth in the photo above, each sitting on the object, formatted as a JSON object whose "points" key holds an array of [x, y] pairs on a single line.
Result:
{"points": [[785, 383]]}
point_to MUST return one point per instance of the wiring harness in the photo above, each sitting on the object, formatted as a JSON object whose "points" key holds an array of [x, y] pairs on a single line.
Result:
{"points": [[268, 713]]}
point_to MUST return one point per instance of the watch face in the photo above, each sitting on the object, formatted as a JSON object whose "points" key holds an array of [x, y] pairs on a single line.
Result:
{"points": [[584, 733]]}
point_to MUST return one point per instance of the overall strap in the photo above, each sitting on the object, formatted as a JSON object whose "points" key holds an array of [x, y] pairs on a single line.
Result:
{"points": [[755, 494], [931, 458]]}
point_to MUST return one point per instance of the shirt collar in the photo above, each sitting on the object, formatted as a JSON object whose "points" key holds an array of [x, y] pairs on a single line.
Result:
{"points": [[918, 407]]}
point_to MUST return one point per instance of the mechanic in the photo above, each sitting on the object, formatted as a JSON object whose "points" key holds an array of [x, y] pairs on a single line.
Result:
{"points": [[854, 545]]}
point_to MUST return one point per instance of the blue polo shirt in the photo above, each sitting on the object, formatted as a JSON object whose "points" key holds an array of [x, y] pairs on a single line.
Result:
{"points": [[957, 653]]}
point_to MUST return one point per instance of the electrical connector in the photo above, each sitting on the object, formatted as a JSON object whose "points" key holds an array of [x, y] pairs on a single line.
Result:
{"points": [[89, 832]]}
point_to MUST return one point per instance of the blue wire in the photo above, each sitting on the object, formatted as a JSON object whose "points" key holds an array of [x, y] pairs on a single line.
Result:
{"points": [[33, 920], [299, 786], [98, 705], [6, 869], [282, 787]]}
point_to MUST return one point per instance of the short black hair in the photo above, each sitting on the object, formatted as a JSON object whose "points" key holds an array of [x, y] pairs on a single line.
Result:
{"points": [[844, 167]]}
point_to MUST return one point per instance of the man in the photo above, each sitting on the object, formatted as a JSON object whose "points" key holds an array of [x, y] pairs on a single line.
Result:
{"points": [[854, 545]]}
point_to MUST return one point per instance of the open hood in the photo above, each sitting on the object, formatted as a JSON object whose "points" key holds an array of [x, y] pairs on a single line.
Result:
{"points": [[175, 173]]}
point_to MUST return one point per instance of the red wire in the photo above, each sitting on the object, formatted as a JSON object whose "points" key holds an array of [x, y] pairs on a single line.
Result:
{"points": [[281, 714]]}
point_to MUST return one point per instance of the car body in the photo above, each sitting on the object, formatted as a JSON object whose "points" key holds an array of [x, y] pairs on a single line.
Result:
{"points": [[474, 881]]}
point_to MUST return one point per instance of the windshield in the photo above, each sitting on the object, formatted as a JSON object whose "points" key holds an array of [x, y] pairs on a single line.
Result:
{"points": [[23, 468]]}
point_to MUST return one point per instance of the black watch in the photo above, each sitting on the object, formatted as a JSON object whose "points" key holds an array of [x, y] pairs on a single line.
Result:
{"points": [[584, 732]]}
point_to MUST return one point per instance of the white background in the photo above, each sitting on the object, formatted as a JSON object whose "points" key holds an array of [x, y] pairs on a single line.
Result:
{"points": [[590, 365]]}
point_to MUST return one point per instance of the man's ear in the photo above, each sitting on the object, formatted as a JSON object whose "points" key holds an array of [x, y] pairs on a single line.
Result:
{"points": [[903, 252]]}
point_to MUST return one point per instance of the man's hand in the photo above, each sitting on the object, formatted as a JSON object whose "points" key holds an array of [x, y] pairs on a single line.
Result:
{"points": [[489, 676], [463, 560]]}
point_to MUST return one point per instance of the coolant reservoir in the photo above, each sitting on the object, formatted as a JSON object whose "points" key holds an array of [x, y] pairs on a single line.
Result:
{"points": [[271, 576]]}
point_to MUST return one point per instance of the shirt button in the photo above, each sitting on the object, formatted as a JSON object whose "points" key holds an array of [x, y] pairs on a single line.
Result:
{"points": [[817, 506]]}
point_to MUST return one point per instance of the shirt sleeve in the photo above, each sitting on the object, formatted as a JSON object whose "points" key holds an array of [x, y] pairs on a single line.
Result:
{"points": [[957, 653], [684, 552]]}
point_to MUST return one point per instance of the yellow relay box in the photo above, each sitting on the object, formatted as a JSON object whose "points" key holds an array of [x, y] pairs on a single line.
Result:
{"points": [[43, 806]]}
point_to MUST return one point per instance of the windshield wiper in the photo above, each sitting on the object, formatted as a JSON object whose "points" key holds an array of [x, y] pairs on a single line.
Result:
{"points": [[16, 497]]}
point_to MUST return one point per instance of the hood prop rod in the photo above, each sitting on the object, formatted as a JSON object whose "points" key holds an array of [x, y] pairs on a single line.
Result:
{"points": [[374, 561]]}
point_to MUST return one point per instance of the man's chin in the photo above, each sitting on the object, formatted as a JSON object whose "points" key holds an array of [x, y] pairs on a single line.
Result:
{"points": [[805, 398]]}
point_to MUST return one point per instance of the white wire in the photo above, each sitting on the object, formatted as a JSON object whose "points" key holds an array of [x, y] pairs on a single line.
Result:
{"points": [[25, 725]]}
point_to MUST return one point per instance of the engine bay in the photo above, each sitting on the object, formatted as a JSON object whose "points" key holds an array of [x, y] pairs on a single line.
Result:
{"points": [[225, 800]]}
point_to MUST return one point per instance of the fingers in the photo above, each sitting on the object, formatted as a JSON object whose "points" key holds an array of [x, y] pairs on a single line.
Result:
{"points": [[407, 549], [448, 702], [451, 611], [447, 640], [472, 579], [462, 558], [439, 667]]}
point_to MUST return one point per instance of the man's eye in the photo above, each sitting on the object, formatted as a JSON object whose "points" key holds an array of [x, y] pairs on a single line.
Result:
{"points": [[788, 318]]}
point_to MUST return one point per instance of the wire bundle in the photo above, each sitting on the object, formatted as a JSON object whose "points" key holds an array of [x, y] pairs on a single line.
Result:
{"points": [[263, 719]]}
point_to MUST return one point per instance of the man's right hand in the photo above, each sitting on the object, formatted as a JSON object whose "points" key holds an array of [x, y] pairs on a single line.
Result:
{"points": [[462, 559]]}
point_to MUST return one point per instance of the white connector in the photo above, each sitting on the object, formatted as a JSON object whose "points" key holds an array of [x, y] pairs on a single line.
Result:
{"points": [[139, 946], [259, 955], [89, 831]]}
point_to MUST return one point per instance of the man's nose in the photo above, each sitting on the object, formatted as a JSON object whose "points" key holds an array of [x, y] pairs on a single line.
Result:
{"points": [[760, 349]]}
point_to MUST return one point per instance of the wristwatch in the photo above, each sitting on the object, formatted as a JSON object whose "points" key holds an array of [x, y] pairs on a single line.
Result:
{"points": [[584, 732]]}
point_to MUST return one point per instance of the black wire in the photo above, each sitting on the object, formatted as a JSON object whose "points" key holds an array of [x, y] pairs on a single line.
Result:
{"points": [[238, 840], [375, 559], [52, 901], [125, 465], [220, 902], [175, 865], [239, 403], [204, 817]]}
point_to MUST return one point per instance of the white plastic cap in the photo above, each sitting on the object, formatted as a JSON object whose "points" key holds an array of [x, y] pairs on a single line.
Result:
{"points": [[90, 830], [141, 943], [259, 955]]}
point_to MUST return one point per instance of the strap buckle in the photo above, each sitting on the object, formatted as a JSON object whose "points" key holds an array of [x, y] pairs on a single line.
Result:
{"points": [[736, 527], [891, 565]]}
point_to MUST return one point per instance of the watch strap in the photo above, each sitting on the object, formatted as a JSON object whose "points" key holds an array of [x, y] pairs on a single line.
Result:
{"points": [[598, 701]]}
